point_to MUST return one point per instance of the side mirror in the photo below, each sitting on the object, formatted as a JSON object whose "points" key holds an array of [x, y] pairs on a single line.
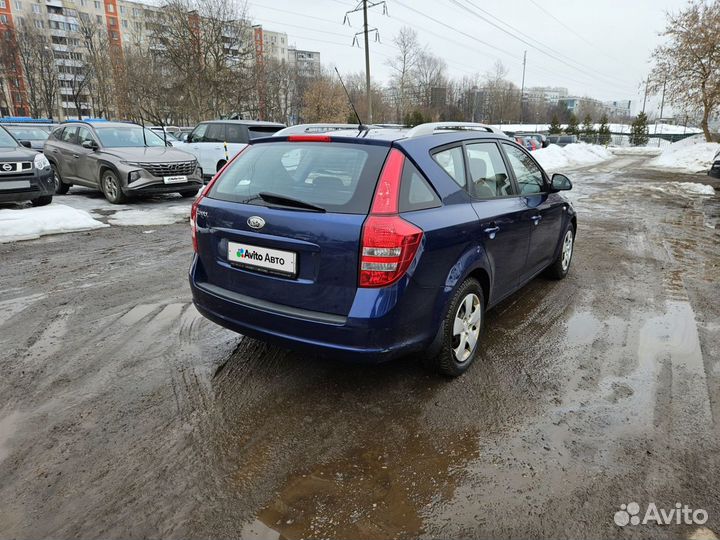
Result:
{"points": [[560, 182], [90, 145], [26, 144], [168, 143]]}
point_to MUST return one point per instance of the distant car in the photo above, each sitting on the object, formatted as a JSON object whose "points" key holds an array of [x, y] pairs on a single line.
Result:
{"points": [[215, 142], [120, 159], [35, 134], [168, 134], [25, 175], [715, 168], [562, 140], [377, 244], [539, 137], [528, 142]]}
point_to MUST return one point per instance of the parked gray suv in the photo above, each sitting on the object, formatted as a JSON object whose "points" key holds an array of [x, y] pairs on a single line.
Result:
{"points": [[120, 159]]}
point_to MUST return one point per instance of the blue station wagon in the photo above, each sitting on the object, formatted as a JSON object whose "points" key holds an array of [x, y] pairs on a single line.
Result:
{"points": [[376, 243]]}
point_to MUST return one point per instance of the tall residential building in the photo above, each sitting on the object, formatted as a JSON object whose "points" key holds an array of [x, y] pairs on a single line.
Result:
{"points": [[306, 62], [547, 94]]}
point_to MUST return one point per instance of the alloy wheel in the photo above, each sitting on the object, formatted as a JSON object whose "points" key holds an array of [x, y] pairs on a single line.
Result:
{"points": [[567, 250], [466, 327]]}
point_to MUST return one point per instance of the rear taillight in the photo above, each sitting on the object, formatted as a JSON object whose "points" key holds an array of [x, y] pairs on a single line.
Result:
{"points": [[389, 243], [201, 196]]}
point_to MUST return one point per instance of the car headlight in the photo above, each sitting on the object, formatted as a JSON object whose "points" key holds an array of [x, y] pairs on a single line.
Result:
{"points": [[134, 175], [41, 162]]}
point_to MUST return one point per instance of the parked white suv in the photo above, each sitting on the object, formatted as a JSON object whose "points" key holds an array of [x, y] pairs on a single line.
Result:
{"points": [[215, 142]]}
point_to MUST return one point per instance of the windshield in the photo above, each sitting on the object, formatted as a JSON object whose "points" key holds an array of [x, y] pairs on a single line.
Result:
{"points": [[6, 139], [28, 133], [127, 137], [335, 177]]}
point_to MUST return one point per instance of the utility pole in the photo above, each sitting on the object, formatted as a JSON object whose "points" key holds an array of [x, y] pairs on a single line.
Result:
{"points": [[364, 5], [367, 63], [647, 81], [522, 90], [662, 100]]}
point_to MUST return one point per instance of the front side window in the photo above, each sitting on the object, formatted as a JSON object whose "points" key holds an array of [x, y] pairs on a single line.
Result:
{"points": [[488, 176], [198, 133], [451, 160], [527, 173], [84, 134]]}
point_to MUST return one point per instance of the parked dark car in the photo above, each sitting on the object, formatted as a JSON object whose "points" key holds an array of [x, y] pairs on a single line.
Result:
{"points": [[562, 140], [120, 159], [25, 175], [715, 167], [376, 245]]}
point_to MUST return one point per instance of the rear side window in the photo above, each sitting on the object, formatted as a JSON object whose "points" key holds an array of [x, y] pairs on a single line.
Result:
{"points": [[488, 175], [256, 132], [451, 160], [335, 176], [235, 133], [415, 192], [68, 135]]}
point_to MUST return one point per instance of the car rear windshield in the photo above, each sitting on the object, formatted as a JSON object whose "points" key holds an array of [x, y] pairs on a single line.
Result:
{"points": [[338, 177]]}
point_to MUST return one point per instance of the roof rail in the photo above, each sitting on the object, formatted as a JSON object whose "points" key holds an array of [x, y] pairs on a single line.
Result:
{"points": [[318, 128], [429, 128]]}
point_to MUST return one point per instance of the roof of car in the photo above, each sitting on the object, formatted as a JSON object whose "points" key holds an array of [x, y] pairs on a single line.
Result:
{"points": [[245, 123], [100, 123]]}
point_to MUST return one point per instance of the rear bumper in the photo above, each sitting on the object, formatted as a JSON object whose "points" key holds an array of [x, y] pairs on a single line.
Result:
{"points": [[401, 331], [41, 185]]}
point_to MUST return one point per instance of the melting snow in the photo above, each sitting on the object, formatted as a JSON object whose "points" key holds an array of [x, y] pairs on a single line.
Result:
{"points": [[30, 223]]}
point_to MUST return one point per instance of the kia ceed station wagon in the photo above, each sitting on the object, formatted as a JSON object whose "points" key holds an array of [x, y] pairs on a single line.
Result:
{"points": [[376, 243]]}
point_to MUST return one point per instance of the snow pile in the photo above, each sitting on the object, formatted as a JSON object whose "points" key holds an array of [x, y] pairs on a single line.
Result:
{"points": [[557, 157], [635, 150], [31, 223], [683, 188], [689, 155], [164, 215]]}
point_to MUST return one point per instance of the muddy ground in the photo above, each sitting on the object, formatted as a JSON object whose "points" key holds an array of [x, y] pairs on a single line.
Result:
{"points": [[124, 414]]}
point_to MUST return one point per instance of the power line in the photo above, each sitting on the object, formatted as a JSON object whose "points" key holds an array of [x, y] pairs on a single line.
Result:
{"points": [[522, 37]]}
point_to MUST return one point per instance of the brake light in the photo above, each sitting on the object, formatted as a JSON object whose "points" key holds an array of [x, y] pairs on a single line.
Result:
{"points": [[389, 243], [201, 196], [309, 138]]}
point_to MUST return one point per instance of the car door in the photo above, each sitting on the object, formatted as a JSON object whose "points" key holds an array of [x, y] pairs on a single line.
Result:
{"points": [[85, 162], [62, 152], [544, 210], [502, 227], [196, 146]]}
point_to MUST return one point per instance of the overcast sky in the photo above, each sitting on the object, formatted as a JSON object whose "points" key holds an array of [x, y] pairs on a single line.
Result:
{"points": [[596, 48]]}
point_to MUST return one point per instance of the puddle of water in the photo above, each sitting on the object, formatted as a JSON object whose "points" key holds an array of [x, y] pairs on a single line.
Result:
{"points": [[582, 328]]}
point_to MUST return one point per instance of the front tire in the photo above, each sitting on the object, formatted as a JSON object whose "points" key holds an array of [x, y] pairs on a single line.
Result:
{"points": [[110, 186], [461, 330], [560, 268], [42, 201]]}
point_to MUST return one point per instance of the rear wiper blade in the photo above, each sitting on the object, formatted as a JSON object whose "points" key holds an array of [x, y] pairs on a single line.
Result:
{"points": [[273, 198]]}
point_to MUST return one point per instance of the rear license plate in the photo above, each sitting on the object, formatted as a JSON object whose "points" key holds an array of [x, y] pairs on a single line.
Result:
{"points": [[15, 184], [271, 261], [175, 179]]}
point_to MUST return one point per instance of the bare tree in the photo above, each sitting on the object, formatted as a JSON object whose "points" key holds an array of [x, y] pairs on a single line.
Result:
{"points": [[687, 64], [429, 73], [98, 67], [325, 101], [403, 65]]}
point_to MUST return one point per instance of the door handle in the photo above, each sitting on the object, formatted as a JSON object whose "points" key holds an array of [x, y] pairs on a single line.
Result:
{"points": [[536, 218], [491, 231], [76, 155]]}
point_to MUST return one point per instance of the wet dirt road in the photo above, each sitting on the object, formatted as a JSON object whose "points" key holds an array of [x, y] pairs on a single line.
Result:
{"points": [[123, 414]]}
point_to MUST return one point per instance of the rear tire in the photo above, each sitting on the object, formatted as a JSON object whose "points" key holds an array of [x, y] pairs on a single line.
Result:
{"points": [[560, 268], [461, 330], [42, 201], [61, 188], [110, 186]]}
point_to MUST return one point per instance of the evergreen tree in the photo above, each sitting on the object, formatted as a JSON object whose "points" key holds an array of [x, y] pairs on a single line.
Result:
{"points": [[572, 126], [555, 128], [604, 131], [588, 131], [639, 130]]}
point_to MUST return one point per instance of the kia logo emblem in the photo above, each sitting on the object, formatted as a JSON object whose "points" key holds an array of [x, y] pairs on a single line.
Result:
{"points": [[256, 222], [8, 167]]}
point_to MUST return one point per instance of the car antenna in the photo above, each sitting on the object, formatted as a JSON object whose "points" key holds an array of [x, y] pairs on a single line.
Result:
{"points": [[361, 126], [142, 123]]}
